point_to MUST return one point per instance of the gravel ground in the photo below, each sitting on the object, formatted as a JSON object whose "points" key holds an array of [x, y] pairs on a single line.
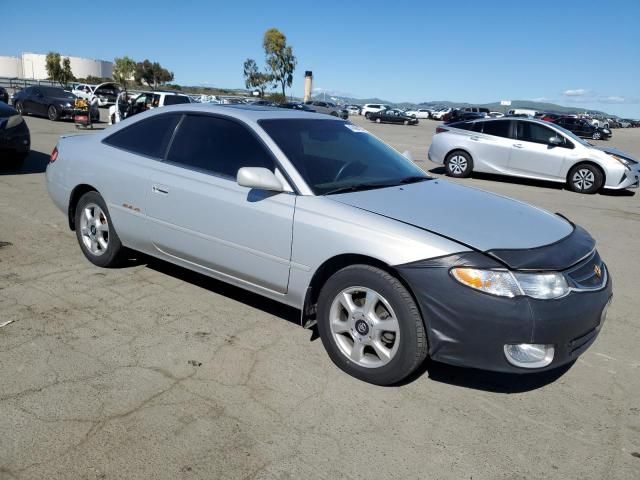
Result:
{"points": [[151, 371]]}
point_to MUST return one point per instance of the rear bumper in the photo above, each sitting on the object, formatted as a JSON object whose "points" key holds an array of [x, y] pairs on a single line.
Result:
{"points": [[469, 328], [15, 140]]}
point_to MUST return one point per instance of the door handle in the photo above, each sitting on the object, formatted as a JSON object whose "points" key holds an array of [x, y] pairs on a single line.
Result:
{"points": [[160, 190], [518, 145], [473, 137]]}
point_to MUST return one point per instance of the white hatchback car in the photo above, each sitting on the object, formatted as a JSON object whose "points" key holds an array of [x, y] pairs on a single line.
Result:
{"points": [[531, 149]]}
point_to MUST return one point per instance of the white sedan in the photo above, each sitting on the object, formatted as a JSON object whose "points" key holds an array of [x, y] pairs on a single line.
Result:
{"points": [[531, 149], [419, 113]]}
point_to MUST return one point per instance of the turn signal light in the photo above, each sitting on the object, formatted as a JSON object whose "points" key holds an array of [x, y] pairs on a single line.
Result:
{"points": [[54, 155]]}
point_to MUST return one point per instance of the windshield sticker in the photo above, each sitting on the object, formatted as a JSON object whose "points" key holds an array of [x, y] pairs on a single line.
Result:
{"points": [[355, 128]]}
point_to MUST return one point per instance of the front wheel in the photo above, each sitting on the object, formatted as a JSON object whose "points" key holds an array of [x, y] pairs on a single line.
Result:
{"points": [[52, 113], [370, 325], [20, 108], [378, 120], [95, 232], [585, 178], [458, 164], [596, 135]]}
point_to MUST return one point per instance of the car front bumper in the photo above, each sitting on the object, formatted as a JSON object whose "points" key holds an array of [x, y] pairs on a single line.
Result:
{"points": [[470, 328]]}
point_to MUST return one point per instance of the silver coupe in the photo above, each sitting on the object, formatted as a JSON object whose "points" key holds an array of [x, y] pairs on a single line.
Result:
{"points": [[317, 213]]}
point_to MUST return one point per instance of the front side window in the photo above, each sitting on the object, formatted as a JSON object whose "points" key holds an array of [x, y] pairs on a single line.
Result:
{"points": [[333, 155], [148, 137], [176, 99], [217, 146], [498, 128], [533, 132]]}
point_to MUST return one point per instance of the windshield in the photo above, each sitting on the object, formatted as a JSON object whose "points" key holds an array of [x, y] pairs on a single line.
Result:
{"points": [[175, 99], [333, 155]]}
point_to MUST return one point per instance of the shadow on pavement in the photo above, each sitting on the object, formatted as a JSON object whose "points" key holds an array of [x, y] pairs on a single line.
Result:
{"points": [[484, 380], [36, 162], [254, 300]]}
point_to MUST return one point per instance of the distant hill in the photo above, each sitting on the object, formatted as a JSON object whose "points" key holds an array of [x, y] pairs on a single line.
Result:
{"points": [[493, 106]]}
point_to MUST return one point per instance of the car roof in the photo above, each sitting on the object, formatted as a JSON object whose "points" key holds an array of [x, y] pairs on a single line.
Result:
{"points": [[246, 112]]}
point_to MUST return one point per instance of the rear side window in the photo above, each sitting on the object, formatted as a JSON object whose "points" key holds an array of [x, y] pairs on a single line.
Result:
{"points": [[498, 128], [148, 137], [218, 146]]}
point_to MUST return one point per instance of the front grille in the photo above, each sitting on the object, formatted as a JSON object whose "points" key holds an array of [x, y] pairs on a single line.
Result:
{"points": [[589, 274]]}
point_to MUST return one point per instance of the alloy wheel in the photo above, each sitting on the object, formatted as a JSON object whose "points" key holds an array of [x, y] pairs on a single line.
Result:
{"points": [[94, 228], [364, 327], [583, 179], [457, 164], [53, 113]]}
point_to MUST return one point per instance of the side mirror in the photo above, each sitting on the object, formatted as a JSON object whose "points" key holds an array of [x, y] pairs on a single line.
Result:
{"points": [[556, 141], [407, 154], [260, 178]]}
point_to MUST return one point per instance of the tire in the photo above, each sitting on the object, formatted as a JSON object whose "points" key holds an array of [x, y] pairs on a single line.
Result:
{"points": [[596, 135], [20, 108], [366, 115], [381, 356], [53, 113], [406, 122], [458, 164], [585, 178], [378, 120], [95, 228]]}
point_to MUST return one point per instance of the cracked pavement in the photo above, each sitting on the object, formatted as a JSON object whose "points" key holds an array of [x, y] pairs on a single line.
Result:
{"points": [[152, 371]]}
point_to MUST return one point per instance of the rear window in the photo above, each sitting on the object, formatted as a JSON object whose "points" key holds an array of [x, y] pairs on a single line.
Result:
{"points": [[148, 137], [175, 99]]}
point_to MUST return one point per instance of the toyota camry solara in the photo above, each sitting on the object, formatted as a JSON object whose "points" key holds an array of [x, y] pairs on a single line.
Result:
{"points": [[317, 213]]}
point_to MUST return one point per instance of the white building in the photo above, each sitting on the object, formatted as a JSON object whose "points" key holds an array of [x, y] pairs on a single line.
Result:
{"points": [[34, 66]]}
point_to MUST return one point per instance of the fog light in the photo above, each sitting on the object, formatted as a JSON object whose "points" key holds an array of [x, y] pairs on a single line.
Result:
{"points": [[529, 355]]}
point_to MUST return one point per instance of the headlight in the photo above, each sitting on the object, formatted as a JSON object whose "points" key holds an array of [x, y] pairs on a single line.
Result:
{"points": [[627, 163], [512, 284], [13, 121], [68, 104]]}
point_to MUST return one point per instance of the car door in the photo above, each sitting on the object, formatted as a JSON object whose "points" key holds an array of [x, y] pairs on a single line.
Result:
{"points": [[533, 154], [490, 145], [133, 153], [200, 216], [28, 101]]}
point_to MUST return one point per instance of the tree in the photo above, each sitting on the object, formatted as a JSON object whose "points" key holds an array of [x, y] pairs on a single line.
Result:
{"points": [[254, 78], [123, 69], [66, 75], [152, 74], [280, 59], [59, 70]]}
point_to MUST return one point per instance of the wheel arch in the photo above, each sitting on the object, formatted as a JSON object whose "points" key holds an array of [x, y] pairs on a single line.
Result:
{"points": [[334, 264], [458, 149], [74, 198], [588, 162]]}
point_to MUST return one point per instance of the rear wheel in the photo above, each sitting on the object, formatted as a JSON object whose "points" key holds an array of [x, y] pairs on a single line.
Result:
{"points": [[458, 164], [585, 178], [370, 325], [95, 232], [20, 108], [52, 113]]}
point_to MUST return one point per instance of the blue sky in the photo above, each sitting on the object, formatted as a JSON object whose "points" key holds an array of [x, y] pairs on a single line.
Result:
{"points": [[582, 53]]}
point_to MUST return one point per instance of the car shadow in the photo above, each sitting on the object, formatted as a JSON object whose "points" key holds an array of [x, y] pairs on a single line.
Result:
{"points": [[531, 182], [238, 294], [486, 381], [36, 162]]}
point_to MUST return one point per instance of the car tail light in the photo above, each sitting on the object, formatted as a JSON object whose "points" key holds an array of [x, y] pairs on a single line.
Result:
{"points": [[54, 155], [441, 130]]}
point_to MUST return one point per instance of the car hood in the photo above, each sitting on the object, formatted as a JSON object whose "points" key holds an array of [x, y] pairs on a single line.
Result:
{"points": [[615, 151], [475, 218]]}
